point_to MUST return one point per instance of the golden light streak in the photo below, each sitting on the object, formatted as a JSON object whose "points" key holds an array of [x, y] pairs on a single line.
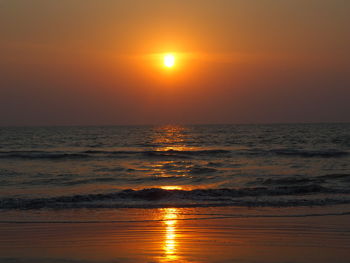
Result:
{"points": [[170, 243], [171, 187]]}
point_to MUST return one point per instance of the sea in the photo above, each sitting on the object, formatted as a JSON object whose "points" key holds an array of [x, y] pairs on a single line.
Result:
{"points": [[183, 166]]}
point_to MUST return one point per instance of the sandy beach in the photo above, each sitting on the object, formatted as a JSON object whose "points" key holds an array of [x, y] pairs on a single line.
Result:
{"points": [[173, 235]]}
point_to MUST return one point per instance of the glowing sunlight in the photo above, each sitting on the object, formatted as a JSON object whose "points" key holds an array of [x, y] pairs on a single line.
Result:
{"points": [[169, 60], [170, 243]]}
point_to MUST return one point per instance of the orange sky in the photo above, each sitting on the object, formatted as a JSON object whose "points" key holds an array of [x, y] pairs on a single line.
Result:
{"points": [[100, 62]]}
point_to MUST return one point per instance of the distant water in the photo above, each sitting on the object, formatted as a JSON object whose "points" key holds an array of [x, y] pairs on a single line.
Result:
{"points": [[180, 166]]}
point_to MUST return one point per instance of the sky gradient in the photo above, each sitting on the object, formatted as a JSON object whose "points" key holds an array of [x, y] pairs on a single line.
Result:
{"points": [[88, 62]]}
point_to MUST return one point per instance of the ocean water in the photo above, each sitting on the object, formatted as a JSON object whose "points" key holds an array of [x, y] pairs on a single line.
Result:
{"points": [[280, 165]]}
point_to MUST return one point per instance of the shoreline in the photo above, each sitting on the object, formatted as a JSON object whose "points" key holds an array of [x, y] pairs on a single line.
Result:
{"points": [[172, 236]]}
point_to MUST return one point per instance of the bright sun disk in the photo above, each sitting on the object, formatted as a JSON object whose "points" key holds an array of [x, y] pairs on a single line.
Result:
{"points": [[169, 60]]}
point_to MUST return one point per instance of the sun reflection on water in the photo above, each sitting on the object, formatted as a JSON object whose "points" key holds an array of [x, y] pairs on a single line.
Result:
{"points": [[171, 187], [170, 135], [170, 140], [170, 239], [167, 139]]}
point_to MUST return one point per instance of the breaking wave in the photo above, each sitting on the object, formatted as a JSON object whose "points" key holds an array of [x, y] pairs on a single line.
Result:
{"points": [[309, 195], [107, 154], [310, 153], [52, 155]]}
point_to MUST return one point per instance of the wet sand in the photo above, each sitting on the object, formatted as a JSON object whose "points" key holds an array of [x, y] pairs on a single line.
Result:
{"points": [[179, 239]]}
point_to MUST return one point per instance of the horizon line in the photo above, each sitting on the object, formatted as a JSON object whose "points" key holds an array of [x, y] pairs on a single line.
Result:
{"points": [[170, 124]]}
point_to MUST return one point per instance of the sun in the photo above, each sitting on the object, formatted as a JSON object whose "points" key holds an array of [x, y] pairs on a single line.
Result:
{"points": [[169, 60]]}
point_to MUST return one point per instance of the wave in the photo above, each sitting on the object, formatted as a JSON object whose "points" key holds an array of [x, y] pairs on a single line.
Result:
{"points": [[208, 216], [156, 197], [181, 154], [290, 180], [335, 176], [40, 155], [197, 174], [309, 153], [108, 154]]}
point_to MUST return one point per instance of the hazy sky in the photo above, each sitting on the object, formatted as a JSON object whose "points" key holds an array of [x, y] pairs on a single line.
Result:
{"points": [[73, 62]]}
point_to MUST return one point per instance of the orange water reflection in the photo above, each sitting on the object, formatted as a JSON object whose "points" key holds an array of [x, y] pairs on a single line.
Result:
{"points": [[170, 243], [170, 138], [171, 187], [167, 139]]}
